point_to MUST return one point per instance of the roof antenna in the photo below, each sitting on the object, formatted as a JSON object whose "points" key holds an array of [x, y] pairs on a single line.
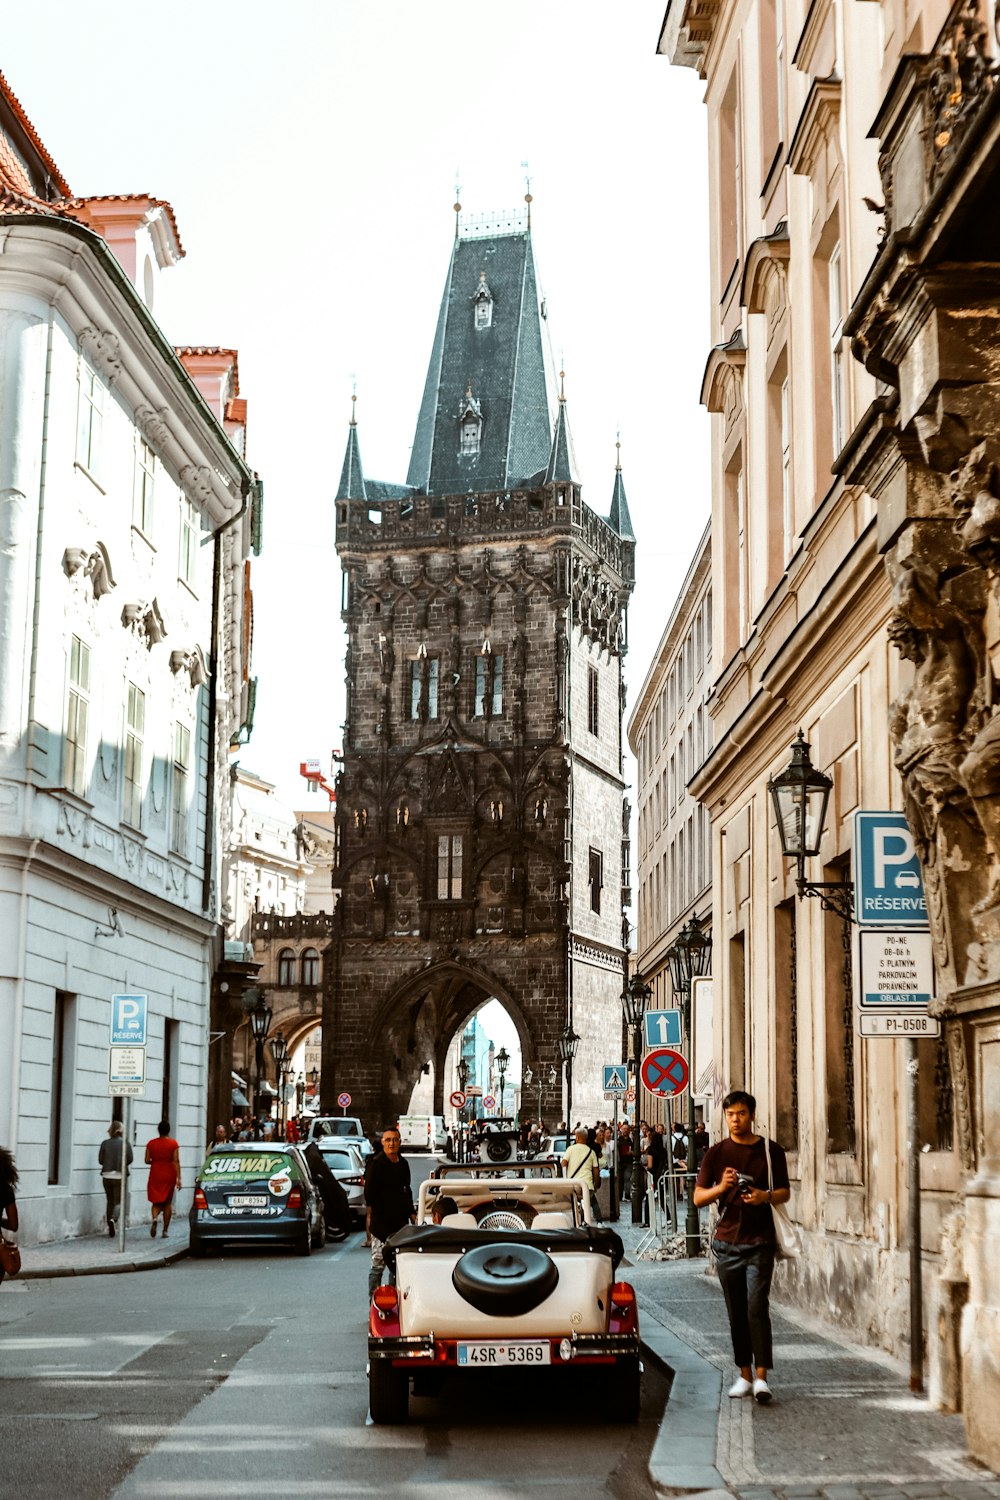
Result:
{"points": [[527, 197], [458, 205]]}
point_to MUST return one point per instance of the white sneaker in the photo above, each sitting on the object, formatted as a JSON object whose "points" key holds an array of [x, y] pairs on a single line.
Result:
{"points": [[761, 1392], [741, 1387]]}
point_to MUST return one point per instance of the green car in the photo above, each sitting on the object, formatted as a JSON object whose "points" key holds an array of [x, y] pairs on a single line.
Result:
{"points": [[256, 1193]]}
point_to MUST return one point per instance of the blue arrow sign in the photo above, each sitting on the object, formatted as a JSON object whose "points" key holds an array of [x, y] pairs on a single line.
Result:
{"points": [[128, 1020], [662, 1028], [615, 1078], [888, 881]]}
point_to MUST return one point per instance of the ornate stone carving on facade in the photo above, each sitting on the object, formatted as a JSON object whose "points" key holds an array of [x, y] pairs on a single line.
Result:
{"points": [[145, 622], [722, 382], [962, 74], [101, 347], [152, 423], [95, 565], [191, 661], [196, 480]]}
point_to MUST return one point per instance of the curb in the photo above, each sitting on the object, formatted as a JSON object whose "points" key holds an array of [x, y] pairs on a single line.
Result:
{"points": [[682, 1460], [112, 1268]]}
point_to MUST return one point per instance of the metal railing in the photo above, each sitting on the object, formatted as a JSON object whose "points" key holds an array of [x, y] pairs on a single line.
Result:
{"points": [[664, 1206]]}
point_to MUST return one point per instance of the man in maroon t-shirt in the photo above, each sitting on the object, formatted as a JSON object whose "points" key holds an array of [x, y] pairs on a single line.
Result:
{"points": [[744, 1235]]}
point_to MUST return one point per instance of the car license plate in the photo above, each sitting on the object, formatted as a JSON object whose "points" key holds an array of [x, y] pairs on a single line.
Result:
{"points": [[493, 1353], [246, 1200]]}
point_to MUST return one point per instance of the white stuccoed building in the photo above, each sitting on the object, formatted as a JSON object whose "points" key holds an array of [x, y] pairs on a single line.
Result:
{"points": [[127, 516]]}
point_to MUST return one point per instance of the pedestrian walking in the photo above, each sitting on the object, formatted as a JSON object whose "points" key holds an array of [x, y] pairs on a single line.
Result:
{"points": [[625, 1158], [110, 1155], [734, 1174], [582, 1161], [9, 1222], [389, 1198], [164, 1162]]}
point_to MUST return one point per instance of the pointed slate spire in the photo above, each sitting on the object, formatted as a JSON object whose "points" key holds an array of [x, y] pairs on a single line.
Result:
{"points": [[562, 460], [352, 477], [619, 517]]}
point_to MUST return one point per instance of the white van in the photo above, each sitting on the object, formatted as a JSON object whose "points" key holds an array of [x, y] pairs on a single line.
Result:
{"points": [[423, 1132]]}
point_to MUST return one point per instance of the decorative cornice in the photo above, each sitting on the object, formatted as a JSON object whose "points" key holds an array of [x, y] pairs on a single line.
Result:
{"points": [[817, 124], [152, 424], [102, 349]]}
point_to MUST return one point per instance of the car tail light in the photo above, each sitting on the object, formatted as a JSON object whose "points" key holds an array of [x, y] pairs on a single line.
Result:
{"points": [[386, 1299], [622, 1296], [200, 1201], [353, 1181], [295, 1198]]}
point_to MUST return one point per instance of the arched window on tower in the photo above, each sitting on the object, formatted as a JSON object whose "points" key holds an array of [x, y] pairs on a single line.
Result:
{"points": [[470, 433], [310, 966], [483, 304], [286, 966]]}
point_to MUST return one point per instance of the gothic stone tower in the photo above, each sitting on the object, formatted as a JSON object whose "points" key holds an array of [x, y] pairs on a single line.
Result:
{"points": [[480, 806]]}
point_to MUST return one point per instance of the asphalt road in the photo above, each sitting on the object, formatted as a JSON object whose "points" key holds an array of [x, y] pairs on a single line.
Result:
{"points": [[244, 1375]]}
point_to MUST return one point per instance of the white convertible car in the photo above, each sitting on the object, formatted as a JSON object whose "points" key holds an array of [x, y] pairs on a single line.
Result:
{"points": [[515, 1276]]}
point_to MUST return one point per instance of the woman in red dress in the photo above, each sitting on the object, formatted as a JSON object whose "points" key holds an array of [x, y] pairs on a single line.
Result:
{"points": [[163, 1160]]}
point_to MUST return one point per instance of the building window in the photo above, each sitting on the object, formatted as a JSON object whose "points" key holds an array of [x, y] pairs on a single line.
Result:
{"points": [[449, 867], [838, 393], [489, 686], [168, 1094], [187, 564], [182, 771], [786, 466], [134, 731], [484, 311], [286, 966], [469, 434], [595, 878], [310, 967], [424, 677], [142, 486], [90, 419], [77, 712], [593, 700]]}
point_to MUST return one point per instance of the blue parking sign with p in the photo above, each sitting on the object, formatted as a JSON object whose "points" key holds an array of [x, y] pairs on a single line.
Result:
{"points": [[888, 881], [128, 1020]]}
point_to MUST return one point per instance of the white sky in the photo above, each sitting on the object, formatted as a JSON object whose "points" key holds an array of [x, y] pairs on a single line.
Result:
{"points": [[310, 153]]}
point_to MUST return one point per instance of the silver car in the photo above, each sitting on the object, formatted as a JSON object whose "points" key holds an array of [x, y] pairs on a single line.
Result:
{"points": [[347, 1165]]}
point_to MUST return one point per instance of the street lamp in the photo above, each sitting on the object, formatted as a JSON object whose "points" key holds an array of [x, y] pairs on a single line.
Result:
{"points": [[689, 956], [502, 1062], [259, 1014], [635, 998], [279, 1051], [568, 1043], [462, 1070], [800, 795]]}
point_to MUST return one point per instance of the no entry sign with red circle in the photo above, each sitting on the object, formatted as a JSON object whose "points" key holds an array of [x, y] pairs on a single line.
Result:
{"points": [[665, 1072]]}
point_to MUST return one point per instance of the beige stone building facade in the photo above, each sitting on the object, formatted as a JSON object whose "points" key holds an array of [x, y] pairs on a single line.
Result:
{"points": [[670, 734], [808, 490]]}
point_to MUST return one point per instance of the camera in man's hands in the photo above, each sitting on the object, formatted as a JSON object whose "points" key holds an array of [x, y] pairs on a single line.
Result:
{"points": [[744, 1183]]}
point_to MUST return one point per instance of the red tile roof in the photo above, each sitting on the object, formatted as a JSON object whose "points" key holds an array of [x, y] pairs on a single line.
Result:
{"points": [[212, 350], [58, 179]]}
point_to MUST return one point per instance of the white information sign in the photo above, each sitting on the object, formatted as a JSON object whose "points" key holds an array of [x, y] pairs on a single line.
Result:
{"points": [[127, 1090], [127, 1065], [897, 970], [896, 1026]]}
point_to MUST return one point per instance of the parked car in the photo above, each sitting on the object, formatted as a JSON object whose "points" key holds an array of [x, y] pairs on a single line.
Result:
{"points": [[347, 1165], [423, 1132], [347, 1127], [519, 1278], [256, 1193], [552, 1148]]}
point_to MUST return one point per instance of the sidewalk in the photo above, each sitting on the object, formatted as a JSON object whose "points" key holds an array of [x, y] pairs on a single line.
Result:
{"points": [[843, 1424], [98, 1254]]}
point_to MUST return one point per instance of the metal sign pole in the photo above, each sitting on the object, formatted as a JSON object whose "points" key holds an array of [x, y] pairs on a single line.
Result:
{"points": [[126, 1142]]}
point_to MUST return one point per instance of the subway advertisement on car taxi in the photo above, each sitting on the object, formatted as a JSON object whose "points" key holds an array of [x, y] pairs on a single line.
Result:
{"points": [[256, 1183]]}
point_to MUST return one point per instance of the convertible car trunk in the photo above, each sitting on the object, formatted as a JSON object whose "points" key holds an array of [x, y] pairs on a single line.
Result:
{"points": [[425, 1257]]}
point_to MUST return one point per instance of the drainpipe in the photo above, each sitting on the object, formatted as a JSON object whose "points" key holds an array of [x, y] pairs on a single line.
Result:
{"points": [[213, 696], [913, 1218]]}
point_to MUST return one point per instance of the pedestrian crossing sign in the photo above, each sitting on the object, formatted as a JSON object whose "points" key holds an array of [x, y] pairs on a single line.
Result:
{"points": [[615, 1079]]}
